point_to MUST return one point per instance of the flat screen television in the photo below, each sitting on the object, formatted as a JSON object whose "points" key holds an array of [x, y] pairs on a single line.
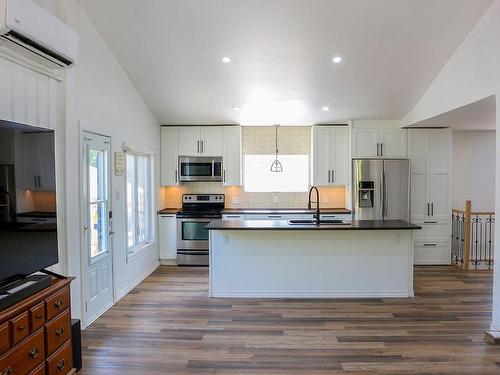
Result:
{"points": [[28, 223]]}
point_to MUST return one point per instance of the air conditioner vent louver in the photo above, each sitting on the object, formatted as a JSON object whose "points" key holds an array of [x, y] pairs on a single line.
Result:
{"points": [[36, 48]]}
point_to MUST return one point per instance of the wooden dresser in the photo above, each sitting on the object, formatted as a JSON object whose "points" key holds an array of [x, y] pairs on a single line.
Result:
{"points": [[35, 334]]}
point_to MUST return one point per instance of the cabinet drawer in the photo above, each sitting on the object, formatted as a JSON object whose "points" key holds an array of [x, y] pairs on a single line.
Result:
{"points": [[432, 253], [336, 217], [57, 303], [19, 328], [57, 332], [233, 217], [40, 370], [26, 356], [37, 316], [432, 229], [61, 362], [4, 338]]}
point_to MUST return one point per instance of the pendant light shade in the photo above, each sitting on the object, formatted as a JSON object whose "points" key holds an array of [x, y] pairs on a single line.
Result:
{"points": [[276, 165]]}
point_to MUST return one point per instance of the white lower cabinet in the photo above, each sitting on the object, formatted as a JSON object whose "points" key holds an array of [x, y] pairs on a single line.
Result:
{"points": [[240, 217], [167, 236], [231, 217], [431, 252]]}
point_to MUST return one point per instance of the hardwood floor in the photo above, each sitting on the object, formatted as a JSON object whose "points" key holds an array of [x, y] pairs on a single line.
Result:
{"points": [[168, 325]]}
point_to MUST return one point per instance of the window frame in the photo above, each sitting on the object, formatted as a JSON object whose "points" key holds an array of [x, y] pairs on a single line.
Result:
{"points": [[307, 174], [140, 246]]}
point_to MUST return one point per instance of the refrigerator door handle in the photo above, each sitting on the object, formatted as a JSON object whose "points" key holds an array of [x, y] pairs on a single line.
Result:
{"points": [[381, 195], [384, 207]]}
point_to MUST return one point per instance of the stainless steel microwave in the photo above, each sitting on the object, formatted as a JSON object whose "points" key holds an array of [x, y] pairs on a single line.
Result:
{"points": [[200, 169]]}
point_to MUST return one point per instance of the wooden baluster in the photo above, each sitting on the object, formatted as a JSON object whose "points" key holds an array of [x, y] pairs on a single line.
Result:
{"points": [[467, 244]]}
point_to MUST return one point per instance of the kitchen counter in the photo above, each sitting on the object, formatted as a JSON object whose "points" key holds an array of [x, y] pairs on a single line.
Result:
{"points": [[283, 225], [168, 211], [273, 259], [283, 211]]}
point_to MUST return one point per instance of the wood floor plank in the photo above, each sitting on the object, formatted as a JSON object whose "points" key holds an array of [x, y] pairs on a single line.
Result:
{"points": [[168, 325]]}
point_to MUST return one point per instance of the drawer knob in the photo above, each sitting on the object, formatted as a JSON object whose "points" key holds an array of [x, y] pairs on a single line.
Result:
{"points": [[39, 316], [34, 351], [61, 364], [21, 328], [59, 332], [59, 303]]}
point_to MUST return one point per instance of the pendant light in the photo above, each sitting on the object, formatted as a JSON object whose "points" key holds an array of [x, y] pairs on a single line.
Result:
{"points": [[276, 165]]}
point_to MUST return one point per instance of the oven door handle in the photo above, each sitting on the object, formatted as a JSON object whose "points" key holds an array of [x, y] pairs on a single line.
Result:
{"points": [[191, 252]]}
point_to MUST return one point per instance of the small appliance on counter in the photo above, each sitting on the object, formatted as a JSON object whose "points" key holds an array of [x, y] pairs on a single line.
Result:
{"points": [[192, 238]]}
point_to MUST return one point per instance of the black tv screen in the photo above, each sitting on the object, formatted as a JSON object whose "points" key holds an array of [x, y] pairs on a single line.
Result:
{"points": [[28, 222]]}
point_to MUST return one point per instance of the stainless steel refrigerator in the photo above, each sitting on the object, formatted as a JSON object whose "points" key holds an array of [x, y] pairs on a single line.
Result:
{"points": [[381, 189], [7, 193]]}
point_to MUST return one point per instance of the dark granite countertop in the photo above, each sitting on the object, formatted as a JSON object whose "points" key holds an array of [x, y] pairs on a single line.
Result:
{"points": [[168, 211], [284, 211], [283, 225], [37, 214]]}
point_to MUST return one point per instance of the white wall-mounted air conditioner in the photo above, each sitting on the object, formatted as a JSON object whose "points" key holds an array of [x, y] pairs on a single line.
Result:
{"points": [[32, 31]]}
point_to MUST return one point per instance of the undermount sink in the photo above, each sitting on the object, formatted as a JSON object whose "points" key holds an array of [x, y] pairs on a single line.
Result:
{"points": [[313, 222]]}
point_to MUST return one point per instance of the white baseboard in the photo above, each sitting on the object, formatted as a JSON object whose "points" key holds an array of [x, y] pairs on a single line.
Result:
{"points": [[168, 262], [122, 293], [313, 294]]}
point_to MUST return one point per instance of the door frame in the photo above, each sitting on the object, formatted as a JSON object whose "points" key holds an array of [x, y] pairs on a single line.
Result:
{"points": [[84, 259]]}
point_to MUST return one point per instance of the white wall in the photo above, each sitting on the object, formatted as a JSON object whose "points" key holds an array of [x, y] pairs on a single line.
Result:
{"points": [[101, 98], [474, 154], [472, 73]]}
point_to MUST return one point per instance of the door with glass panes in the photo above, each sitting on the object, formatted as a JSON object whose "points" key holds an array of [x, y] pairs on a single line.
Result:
{"points": [[98, 257]]}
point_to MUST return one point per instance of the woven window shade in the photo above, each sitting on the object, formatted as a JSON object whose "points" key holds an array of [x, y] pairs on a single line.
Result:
{"points": [[292, 140]]}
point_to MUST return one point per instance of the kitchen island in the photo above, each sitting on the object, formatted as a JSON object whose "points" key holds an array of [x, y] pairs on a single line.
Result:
{"points": [[273, 259]]}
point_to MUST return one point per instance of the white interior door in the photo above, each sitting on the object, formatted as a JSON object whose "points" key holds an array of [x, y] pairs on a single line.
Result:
{"points": [[97, 256]]}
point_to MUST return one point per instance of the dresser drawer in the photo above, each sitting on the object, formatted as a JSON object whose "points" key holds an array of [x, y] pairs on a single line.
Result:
{"points": [[19, 328], [40, 370], [4, 338], [37, 316], [25, 357], [57, 303], [61, 362], [57, 332]]}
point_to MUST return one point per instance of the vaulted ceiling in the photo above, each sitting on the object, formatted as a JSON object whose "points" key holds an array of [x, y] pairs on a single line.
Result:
{"points": [[281, 51]]}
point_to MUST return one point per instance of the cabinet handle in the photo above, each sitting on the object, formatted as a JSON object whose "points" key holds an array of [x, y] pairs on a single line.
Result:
{"points": [[202, 146], [378, 152], [224, 175], [430, 244], [428, 210], [333, 176], [176, 176], [274, 216], [381, 149], [60, 332], [59, 303], [198, 142], [432, 209], [329, 174], [234, 216], [39, 316], [430, 222], [61, 365], [34, 351]]}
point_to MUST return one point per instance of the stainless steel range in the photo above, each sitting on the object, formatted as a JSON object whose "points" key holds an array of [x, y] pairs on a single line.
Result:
{"points": [[192, 237]]}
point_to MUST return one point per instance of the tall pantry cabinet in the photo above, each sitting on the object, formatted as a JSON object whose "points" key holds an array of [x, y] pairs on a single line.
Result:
{"points": [[430, 152]]}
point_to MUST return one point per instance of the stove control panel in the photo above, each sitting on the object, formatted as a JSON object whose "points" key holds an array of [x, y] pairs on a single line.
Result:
{"points": [[203, 198]]}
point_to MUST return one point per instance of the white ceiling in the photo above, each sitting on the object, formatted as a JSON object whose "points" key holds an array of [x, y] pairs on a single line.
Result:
{"points": [[282, 49], [480, 115]]}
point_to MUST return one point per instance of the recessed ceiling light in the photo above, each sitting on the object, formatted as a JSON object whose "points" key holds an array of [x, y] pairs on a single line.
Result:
{"points": [[226, 59], [237, 109], [325, 108], [337, 59]]}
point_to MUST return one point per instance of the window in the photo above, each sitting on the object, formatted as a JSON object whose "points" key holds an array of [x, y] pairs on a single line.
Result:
{"points": [[139, 200], [259, 178]]}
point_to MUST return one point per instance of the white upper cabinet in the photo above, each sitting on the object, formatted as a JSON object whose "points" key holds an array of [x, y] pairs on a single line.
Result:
{"points": [[37, 161], [28, 97], [373, 142], [169, 175], [211, 140], [330, 159], [231, 145], [200, 141]]}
